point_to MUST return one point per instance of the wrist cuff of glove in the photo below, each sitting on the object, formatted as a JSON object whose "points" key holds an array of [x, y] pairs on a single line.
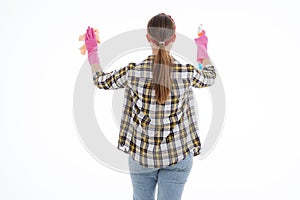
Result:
{"points": [[93, 58]]}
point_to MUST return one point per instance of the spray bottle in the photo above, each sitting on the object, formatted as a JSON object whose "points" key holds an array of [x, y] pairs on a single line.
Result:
{"points": [[201, 42]]}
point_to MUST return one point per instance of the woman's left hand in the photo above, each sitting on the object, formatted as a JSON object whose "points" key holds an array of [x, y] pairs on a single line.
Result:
{"points": [[90, 40]]}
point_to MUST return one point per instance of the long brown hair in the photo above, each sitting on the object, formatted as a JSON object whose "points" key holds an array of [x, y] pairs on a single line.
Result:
{"points": [[161, 29]]}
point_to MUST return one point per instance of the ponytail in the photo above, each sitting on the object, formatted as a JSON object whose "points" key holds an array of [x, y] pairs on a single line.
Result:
{"points": [[161, 74], [161, 31]]}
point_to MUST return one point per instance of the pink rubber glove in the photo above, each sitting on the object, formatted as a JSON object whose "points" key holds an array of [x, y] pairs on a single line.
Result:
{"points": [[201, 47], [91, 46]]}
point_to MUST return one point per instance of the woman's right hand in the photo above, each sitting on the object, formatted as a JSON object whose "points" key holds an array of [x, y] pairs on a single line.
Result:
{"points": [[202, 47], [202, 40]]}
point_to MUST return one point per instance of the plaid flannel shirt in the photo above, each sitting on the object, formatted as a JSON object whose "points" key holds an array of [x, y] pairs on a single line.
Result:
{"points": [[157, 135]]}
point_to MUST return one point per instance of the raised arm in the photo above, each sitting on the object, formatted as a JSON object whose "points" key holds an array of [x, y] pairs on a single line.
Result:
{"points": [[113, 80], [205, 77]]}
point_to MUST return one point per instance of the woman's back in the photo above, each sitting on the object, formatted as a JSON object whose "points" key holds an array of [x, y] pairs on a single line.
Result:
{"points": [[160, 134]]}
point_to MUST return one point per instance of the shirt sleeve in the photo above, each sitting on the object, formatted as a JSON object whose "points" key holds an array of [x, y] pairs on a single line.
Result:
{"points": [[205, 77], [112, 80]]}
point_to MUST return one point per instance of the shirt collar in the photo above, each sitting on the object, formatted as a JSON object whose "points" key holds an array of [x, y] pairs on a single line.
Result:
{"points": [[151, 58]]}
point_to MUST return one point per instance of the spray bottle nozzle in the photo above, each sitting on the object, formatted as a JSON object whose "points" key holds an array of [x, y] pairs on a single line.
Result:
{"points": [[200, 30]]}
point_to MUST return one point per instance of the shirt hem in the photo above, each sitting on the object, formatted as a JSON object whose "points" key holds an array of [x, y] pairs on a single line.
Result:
{"points": [[195, 151]]}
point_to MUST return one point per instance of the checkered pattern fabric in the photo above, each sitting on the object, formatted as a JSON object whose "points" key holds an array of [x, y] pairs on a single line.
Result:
{"points": [[157, 135]]}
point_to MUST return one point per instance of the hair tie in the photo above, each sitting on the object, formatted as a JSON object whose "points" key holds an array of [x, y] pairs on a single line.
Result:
{"points": [[161, 43]]}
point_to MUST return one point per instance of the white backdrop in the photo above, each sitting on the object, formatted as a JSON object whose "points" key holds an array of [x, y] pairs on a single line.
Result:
{"points": [[254, 44]]}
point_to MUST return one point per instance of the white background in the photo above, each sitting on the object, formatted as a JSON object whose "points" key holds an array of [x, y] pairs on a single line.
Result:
{"points": [[254, 44]]}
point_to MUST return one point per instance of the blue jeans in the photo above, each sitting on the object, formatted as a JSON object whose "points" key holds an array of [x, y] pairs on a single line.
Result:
{"points": [[170, 180]]}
